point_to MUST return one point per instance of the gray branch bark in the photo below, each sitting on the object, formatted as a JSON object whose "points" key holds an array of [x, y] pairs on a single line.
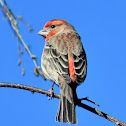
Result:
{"points": [[79, 103]]}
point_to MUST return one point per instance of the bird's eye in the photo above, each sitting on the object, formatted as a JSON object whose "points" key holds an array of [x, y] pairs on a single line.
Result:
{"points": [[53, 26], [79, 37]]}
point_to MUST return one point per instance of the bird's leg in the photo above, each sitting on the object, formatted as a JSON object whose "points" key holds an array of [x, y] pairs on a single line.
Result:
{"points": [[51, 93], [86, 98]]}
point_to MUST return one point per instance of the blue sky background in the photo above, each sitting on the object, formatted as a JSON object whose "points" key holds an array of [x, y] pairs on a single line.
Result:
{"points": [[102, 26]]}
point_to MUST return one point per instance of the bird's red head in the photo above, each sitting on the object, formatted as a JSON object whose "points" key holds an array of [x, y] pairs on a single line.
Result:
{"points": [[55, 22], [53, 27]]}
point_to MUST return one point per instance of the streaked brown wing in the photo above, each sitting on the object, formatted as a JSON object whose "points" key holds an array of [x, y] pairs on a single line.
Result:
{"points": [[57, 61], [80, 65]]}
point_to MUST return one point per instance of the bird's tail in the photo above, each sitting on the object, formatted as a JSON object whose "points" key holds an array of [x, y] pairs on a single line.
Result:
{"points": [[66, 111]]}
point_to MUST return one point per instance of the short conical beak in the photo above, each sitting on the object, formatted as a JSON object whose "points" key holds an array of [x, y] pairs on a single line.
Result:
{"points": [[43, 33]]}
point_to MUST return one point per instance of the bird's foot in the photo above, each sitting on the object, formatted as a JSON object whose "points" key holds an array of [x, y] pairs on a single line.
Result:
{"points": [[51, 93]]}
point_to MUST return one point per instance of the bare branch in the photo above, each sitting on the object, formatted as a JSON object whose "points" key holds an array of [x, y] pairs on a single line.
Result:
{"points": [[79, 103], [14, 24], [29, 88], [102, 114]]}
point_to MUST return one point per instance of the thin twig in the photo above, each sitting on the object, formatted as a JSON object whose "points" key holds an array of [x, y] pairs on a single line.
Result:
{"points": [[20, 58], [18, 17], [79, 103], [86, 98], [24, 22]]}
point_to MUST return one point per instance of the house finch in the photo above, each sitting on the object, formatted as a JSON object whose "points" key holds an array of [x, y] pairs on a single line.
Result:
{"points": [[64, 62]]}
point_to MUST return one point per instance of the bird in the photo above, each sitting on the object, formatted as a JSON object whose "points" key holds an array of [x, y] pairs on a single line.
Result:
{"points": [[64, 62]]}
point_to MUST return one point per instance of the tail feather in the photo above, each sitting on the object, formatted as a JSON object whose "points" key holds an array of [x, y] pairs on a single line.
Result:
{"points": [[61, 114], [66, 111]]}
